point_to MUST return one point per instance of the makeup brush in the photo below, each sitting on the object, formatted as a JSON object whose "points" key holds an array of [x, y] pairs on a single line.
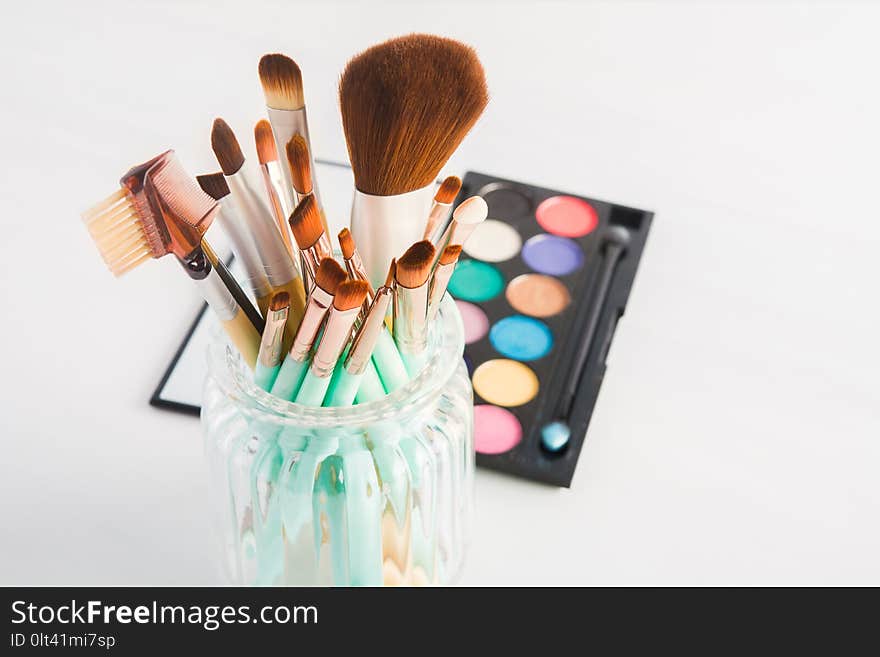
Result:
{"points": [[300, 164], [386, 357], [406, 106], [411, 304], [355, 266], [214, 185], [269, 359], [443, 199], [329, 276], [442, 274], [357, 375], [199, 267], [277, 264], [347, 301], [556, 434], [158, 210], [282, 84], [273, 180], [467, 216], [308, 231]]}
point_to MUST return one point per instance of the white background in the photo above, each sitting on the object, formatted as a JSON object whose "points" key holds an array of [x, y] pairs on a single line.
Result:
{"points": [[736, 438]]}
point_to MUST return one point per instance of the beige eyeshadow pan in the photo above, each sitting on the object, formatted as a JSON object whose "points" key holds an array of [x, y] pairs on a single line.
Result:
{"points": [[537, 295]]}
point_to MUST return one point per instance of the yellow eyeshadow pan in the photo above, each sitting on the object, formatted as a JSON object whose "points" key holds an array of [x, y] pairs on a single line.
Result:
{"points": [[505, 382]]}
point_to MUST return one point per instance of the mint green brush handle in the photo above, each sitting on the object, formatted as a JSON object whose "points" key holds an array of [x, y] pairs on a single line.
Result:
{"points": [[289, 378], [388, 362], [265, 376], [345, 387], [313, 389], [371, 387]]}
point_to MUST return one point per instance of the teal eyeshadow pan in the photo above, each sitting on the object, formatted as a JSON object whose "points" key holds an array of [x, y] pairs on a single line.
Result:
{"points": [[476, 281]]}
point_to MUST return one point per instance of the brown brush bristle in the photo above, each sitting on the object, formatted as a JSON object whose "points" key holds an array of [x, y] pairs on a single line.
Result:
{"points": [[414, 266], [450, 254], [448, 190], [298, 161], [350, 294], [282, 82], [226, 147], [265, 140], [279, 301], [214, 185], [406, 105], [346, 243], [329, 275], [389, 279], [305, 222]]}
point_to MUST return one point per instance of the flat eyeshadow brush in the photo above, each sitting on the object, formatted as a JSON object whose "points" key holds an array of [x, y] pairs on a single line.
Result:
{"points": [[347, 301], [355, 266], [443, 199], [310, 236], [356, 376], [440, 280], [158, 210], [273, 180], [556, 433], [299, 162], [243, 246], [269, 358], [329, 276], [277, 263], [411, 305], [406, 105], [241, 331], [282, 84]]}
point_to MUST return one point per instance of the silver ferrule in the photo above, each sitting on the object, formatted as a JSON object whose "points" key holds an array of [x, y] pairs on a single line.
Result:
{"points": [[385, 226], [459, 232], [336, 333], [285, 124], [436, 217], [439, 282], [365, 340], [244, 247], [411, 318], [316, 309], [277, 264], [273, 336], [217, 296], [274, 185]]}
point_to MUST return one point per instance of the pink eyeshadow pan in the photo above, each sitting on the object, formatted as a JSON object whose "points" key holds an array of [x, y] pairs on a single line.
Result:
{"points": [[496, 430], [566, 216], [476, 324]]}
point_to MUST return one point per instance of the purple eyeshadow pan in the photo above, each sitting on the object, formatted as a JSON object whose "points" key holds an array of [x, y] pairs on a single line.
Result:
{"points": [[552, 255]]}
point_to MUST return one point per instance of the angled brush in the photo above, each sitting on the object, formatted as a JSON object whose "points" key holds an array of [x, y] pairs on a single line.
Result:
{"points": [[411, 304]]}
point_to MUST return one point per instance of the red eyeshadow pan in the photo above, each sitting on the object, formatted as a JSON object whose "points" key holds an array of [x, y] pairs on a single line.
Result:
{"points": [[566, 216]]}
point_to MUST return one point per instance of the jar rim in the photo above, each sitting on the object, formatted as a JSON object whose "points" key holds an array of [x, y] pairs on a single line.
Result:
{"points": [[445, 345]]}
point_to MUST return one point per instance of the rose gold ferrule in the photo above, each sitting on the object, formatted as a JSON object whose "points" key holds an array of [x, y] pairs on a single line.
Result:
{"points": [[435, 219], [316, 309], [442, 274], [336, 334], [365, 340], [355, 268], [411, 318], [273, 334], [312, 256]]}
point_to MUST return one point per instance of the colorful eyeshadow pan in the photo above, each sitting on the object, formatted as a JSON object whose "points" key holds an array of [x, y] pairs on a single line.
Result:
{"points": [[521, 338], [496, 430], [505, 382], [552, 255], [524, 289], [476, 324], [537, 295], [566, 216], [493, 241], [475, 281]]}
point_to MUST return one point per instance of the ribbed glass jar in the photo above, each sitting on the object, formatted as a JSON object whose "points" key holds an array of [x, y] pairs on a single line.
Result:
{"points": [[378, 493]]}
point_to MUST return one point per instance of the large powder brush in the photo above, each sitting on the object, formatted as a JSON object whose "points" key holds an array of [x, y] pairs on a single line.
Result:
{"points": [[406, 105]]}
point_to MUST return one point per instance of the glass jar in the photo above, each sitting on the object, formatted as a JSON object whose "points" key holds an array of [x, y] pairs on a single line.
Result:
{"points": [[372, 494]]}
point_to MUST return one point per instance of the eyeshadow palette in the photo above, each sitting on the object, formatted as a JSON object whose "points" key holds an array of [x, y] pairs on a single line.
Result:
{"points": [[540, 286]]}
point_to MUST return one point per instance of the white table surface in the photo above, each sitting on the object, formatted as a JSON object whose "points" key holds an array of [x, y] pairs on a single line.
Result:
{"points": [[736, 438]]}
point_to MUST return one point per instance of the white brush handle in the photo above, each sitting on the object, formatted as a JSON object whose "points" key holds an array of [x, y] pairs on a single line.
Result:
{"points": [[384, 227]]}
